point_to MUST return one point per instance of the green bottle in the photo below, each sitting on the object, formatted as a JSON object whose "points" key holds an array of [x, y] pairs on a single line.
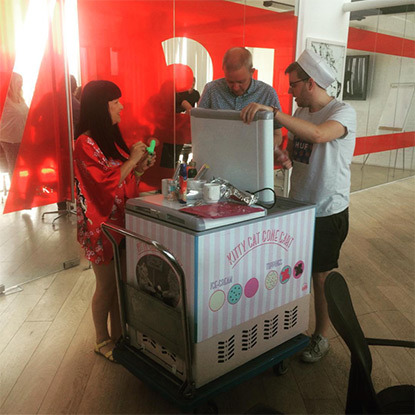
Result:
{"points": [[191, 172]]}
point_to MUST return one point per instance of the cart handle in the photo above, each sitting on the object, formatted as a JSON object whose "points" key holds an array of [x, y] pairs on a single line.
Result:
{"points": [[108, 229]]}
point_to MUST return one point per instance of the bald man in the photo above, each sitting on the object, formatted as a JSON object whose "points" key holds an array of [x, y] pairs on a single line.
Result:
{"points": [[238, 89]]}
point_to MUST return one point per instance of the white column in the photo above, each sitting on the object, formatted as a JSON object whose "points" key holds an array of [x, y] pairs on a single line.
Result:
{"points": [[322, 19]]}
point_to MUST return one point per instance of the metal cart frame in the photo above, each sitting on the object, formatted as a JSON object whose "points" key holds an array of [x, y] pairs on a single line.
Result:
{"points": [[183, 393]]}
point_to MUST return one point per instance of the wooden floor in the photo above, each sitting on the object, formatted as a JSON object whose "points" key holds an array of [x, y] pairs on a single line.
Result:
{"points": [[27, 240], [47, 364]]}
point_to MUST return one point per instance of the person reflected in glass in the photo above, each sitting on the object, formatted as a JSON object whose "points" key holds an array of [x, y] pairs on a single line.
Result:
{"points": [[107, 173], [13, 121], [76, 111], [186, 100], [76, 105]]}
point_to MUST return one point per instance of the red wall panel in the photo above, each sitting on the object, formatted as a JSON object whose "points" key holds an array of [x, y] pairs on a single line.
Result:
{"points": [[42, 173], [380, 43], [122, 42], [384, 142], [369, 41]]}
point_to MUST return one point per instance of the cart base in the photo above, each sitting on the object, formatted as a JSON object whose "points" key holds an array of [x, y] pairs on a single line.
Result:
{"points": [[173, 390]]}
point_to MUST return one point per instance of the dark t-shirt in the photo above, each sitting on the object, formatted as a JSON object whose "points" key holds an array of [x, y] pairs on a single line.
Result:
{"points": [[190, 97]]}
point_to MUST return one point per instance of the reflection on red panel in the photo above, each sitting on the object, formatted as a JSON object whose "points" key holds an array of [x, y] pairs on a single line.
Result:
{"points": [[380, 43], [122, 42], [384, 142], [42, 172], [220, 25]]}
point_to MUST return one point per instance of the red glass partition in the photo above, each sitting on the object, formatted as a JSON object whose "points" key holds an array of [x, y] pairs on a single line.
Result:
{"points": [[42, 174], [123, 42], [126, 42]]}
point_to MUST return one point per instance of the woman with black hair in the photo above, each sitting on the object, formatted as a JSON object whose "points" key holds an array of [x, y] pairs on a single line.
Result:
{"points": [[107, 173]]}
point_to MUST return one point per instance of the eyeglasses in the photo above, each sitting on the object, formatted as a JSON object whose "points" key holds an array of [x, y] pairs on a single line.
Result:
{"points": [[296, 82]]}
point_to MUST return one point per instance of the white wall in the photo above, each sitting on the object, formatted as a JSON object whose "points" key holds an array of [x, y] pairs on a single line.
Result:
{"points": [[384, 70], [321, 19], [324, 19]]}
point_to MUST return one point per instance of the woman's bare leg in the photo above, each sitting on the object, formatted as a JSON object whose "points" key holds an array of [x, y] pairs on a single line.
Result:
{"points": [[103, 299]]}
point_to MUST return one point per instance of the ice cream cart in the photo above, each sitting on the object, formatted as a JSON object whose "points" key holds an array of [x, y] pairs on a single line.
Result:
{"points": [[207, 303]]}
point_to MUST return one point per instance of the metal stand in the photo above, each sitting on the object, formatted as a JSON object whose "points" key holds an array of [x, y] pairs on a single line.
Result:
{"points": [[60, 213], [10, 290], [5, 185]]}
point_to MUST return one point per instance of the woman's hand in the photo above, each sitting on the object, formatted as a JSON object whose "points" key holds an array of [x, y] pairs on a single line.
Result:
{"points": [[137, 152], [146, 162]]}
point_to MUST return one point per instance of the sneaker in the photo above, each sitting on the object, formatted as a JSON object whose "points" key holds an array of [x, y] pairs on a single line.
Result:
{"points": [[318, 348]]}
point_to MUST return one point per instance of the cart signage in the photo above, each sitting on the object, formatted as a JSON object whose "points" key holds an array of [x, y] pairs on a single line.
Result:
{"points": [[270, 236], [233, 274]]}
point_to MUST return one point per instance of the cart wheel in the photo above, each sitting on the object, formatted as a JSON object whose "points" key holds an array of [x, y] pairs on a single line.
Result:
{"points": [[281, 368], [208, 408]]}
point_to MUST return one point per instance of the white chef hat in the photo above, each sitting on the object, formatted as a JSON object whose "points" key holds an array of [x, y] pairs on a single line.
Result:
{"points": [[316, 67]]}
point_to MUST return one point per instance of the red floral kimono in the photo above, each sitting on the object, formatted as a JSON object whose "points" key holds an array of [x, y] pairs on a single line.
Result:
{"points": [[99, 198]]}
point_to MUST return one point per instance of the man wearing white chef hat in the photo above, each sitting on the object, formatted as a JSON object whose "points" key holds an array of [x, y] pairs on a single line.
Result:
{"points": [[316, 67], [322, 135]]}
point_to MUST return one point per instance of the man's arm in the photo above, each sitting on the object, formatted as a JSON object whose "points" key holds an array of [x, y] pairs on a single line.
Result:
{"points": [[186, 105], [307, 131]]}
